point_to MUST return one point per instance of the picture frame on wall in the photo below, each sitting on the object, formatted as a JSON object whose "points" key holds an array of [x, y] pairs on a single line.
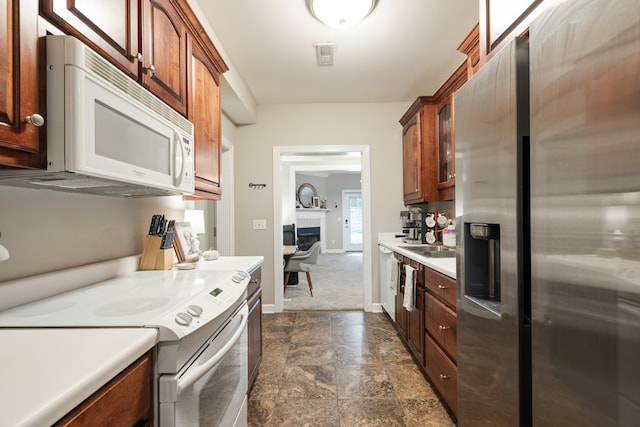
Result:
{"points": [[186, 242]]}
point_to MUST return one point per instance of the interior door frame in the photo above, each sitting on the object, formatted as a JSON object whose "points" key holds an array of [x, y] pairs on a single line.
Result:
{"points": [[278, 182]]}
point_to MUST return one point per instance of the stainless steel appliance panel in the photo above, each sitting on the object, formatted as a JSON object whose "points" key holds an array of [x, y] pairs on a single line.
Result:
{"points": [[488, 132], [585, 212]]}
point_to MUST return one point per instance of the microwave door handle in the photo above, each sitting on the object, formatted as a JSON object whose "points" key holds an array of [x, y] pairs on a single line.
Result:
{"points": [[178, 156], [193, 375]]}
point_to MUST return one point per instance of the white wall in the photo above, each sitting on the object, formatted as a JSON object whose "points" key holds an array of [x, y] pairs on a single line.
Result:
{"points": [[375, 125]]}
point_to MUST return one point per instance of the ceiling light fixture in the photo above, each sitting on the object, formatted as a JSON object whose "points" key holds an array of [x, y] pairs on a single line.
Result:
{"points": [[341, 13]]}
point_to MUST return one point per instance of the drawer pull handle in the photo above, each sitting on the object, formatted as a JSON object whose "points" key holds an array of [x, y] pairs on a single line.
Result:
{"points": [[442, 287], [443, 328], [253, 281], [444, 377]]}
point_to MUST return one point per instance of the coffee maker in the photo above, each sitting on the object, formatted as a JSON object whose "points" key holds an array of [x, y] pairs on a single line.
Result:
{"points": [[412, 225]]}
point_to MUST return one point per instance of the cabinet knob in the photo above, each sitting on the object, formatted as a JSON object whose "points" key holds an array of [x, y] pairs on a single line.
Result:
{"points": [[151, 70], [444, 377], [443, 328], [138, 57], [442, 287], [253, 281], [35, 119]]}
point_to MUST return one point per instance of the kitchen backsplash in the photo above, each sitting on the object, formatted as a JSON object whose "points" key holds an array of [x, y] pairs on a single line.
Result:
{"points": [[48, 231]]}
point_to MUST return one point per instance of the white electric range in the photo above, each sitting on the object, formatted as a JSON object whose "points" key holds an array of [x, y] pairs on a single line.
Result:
{"points": [[156, 299], [200, 316]]}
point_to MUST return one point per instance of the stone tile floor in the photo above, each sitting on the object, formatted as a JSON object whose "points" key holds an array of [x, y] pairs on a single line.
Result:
{"points": [[339, 369]]}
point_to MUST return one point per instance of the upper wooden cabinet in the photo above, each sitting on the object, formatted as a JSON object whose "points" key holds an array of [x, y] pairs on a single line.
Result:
{"points": [[159, 43], [20, 141], [428, 144], [164, 63], [428, 135], [502, 20], [418, 151], [204, 113], [110, 27], [146, 39]]}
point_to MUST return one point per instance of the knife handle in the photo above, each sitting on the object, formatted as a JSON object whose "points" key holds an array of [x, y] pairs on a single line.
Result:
{"points": [[154, 225], [167, 240]]}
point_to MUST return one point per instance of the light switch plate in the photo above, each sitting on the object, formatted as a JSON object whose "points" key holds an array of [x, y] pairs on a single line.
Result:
{"points": [[259, 224]]}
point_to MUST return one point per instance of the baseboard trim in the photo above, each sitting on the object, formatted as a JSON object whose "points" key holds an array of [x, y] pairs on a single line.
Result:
{"points": [[376, 308], [271, 308]]}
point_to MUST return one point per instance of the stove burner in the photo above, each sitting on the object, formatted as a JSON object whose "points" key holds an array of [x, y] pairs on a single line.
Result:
{"points": [[131, 306]]}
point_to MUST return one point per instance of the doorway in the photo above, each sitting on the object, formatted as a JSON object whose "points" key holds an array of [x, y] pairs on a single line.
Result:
{"points": [[352, 232], [284, 202]]}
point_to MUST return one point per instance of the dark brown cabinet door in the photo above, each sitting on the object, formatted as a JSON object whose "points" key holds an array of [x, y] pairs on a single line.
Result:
{"points": [[204, 113], [110, 27], [415, 333], [20, 141], [164, 65], [446, 150], [411, 164]]}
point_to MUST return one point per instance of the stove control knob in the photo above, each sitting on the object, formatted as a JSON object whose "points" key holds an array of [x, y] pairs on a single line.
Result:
{"points": [[194, 310], [239, 276], [183, 319]]}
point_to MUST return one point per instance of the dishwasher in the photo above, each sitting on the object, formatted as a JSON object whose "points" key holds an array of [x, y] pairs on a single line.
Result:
{"points": [[388, 280]]}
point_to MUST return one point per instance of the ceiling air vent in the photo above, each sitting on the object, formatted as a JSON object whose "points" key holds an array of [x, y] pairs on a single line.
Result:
{"points": [[324, 53]]}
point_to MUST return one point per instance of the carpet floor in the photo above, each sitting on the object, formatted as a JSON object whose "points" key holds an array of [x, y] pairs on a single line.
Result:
{"points": [[337, 285]]}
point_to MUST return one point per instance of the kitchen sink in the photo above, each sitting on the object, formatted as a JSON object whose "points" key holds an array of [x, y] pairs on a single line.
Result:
{"points": [[431, 251]]}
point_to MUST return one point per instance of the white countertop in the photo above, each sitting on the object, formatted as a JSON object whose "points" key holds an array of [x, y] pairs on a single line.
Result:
{"points": [[45, 373], [446, 266], [231, 263]]}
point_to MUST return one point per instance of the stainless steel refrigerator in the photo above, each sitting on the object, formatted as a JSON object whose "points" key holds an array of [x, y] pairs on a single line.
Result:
{"points": [[548, 206]]}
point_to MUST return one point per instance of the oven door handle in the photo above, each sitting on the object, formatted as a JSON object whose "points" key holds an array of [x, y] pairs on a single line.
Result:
{"points": [[194, 375]]}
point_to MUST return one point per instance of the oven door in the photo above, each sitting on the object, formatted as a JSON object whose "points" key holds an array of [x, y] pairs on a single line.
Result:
{"points": [[211, 389]]}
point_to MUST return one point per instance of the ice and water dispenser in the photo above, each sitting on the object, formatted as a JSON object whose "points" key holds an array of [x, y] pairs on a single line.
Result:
{"points": [[482, 265]]}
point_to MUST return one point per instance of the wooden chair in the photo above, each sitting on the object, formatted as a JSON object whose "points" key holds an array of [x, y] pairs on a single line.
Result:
{"points": [[301, 262]]}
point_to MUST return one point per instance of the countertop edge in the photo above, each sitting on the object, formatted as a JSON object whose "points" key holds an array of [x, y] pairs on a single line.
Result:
{"points": [[446, 266], [121, 346]]}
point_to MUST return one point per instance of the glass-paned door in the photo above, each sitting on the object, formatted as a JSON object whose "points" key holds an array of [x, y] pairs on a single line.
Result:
{"points": [[352, 220]]}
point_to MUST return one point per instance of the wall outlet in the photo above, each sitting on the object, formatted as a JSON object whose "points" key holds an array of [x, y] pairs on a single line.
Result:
{"points": [[259, 224]]}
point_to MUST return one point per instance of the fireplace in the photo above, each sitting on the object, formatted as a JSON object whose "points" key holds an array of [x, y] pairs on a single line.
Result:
{"points": [[307, 236], [312, 221]]}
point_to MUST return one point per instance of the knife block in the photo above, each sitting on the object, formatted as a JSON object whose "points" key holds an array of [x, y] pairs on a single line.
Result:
{"points": [[153, 257]]}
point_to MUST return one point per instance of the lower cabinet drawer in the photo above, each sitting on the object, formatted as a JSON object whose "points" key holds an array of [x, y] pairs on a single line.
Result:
{"points": [[443, 373], [124, 401], [441, 285], [440, 321]]}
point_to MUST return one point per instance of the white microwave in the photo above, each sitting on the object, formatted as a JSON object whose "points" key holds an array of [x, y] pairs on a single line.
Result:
{"points": [[106, 134]]}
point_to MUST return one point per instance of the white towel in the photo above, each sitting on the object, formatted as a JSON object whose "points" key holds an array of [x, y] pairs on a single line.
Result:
{"points": [[395, 273], [409, 284]]}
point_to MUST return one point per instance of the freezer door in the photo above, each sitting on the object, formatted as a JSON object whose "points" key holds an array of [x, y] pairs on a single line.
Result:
{"points": [[491, 140], [585, 183]]}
